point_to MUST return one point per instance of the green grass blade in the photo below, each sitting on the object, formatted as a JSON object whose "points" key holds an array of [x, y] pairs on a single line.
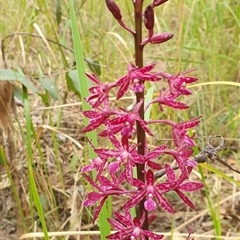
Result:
{"points": [[214, 213], [220, 173], [83, 86], [32, 184]]}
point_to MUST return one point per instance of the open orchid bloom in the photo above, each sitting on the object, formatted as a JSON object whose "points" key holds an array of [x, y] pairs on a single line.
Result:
{"points": [[99, 92], [151, 190], [105, 188], [136, 77], [131, 228]]}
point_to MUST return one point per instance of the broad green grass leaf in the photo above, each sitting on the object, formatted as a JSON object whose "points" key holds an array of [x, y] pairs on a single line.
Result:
{"points": [[50, 87], [10, 75]]}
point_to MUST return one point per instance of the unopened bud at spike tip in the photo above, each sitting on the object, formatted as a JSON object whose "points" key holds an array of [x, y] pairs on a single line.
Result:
{"points": [[158, 2], [114, 9], [149, 17], [161, 37]]}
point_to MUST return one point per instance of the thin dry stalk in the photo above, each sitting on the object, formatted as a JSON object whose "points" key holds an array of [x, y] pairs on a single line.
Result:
{"points": [[6, 93]]}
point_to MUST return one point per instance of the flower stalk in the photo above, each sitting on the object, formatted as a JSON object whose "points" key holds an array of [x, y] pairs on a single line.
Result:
{"points": [[143, 193], [139, 96]]}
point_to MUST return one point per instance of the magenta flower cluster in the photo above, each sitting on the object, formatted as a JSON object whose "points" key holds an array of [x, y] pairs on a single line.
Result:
{"points": [[119, 126]]}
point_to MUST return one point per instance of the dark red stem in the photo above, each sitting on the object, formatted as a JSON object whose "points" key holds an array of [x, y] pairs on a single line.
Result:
{"points": [[140, 132]]}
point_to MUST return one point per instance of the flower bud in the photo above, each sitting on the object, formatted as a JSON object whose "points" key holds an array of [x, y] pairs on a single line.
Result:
{"points": [[149, 17], [161, 37], [114, 9], [158, 2]]}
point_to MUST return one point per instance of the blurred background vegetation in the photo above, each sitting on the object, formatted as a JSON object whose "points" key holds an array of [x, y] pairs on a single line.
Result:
{"points": [[206, 37]]}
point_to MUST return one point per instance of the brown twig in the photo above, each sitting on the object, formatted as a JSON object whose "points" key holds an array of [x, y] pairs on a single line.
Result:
{"points": [[209, 152]]}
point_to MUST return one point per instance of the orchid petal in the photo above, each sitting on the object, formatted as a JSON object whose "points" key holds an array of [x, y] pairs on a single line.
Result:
{"points": [[185, 199], [163, 202], [191, 186], [134, 200], [152, 235]]}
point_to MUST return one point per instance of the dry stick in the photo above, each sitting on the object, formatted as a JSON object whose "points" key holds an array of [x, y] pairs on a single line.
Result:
{"points": [[227, 165], [209, 152]]}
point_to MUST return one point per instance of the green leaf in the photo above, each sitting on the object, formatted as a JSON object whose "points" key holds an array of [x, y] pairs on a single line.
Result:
{"points": [[74, 162], [58, 11], [50, 87], [45, 99], [44, 202], [18, 93], [1, 156], [73, 74], [94, 66], [10, 75], [70, 85]]}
